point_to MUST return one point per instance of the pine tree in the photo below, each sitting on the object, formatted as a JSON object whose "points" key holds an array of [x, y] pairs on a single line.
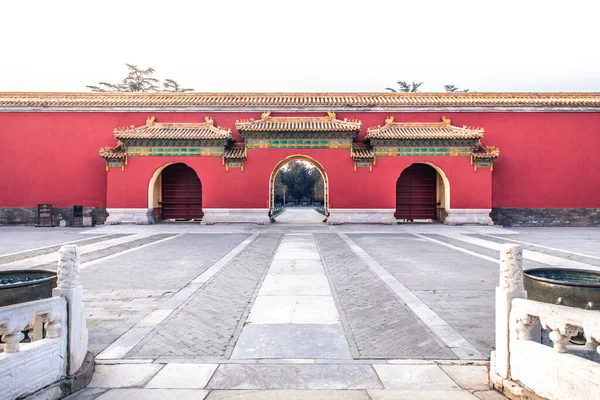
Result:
{"points": [[139, 80]]}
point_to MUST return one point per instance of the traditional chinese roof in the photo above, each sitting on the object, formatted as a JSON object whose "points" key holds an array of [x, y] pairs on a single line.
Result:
{"points": [[422, 130], [236, 151], [108, 152], [487, 152], [99, 101], [361, 150], [178, 130], [268, 123]]}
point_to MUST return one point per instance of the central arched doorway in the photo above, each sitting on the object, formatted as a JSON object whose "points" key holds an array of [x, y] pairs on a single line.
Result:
{"points": [[181, 194], [417, 194], [298, 157]]}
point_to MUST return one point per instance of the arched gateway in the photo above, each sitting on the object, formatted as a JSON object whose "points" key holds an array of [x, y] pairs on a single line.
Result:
{"points": [[181, 194], [235, 171], [287, 160]]}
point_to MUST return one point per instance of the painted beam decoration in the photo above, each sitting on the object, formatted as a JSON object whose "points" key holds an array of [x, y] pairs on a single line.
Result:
{"points": [[430, 139], [167, 139], [326, 132]]}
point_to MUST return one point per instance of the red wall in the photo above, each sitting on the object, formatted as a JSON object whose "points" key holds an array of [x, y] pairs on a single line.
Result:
{"points": [[544, 162]]}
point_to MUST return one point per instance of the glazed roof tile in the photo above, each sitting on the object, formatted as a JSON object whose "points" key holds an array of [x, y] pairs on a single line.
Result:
{"points": [[486, 152], [179, 130], [109, 152], [236, 151], [382, 99], [422, 130], [267, 123], [360, 150]]}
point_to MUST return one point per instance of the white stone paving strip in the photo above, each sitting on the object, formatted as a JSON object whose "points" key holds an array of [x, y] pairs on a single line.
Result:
{"points": [[451, 338], [294, 314], [52, 257], [123, 345], [508, 239], [54, 245], [494, 260], [527, 254]]}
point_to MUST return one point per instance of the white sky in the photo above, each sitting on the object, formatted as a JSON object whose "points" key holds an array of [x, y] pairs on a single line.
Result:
{"points": [[304, 45]]}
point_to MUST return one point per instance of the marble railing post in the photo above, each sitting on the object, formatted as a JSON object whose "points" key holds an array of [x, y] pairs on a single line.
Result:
{"points": [[68, 287], [511, 287]]}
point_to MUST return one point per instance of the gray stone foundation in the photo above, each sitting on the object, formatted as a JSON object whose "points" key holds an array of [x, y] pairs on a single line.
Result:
{"points": [[28, 216], [546, 216]]}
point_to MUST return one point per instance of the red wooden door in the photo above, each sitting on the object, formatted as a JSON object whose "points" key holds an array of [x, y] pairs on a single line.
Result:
{"points": [[181, 193], [416, 193]]}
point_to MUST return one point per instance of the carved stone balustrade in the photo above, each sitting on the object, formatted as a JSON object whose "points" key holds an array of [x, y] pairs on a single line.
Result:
{"points": [[56, 357], [19, 317], [564, 322]]}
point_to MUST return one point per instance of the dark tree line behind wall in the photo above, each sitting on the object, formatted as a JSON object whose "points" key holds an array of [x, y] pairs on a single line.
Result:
{"points": [[301, 182]]}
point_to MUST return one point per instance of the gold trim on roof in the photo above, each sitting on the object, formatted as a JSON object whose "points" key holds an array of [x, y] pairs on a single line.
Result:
{"points": [[268, 123], [174, 130], [422, 130], [381, 99]]}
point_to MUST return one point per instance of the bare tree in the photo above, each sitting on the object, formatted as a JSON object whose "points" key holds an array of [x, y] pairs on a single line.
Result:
{"points": [[406, 87], [139, 80]]}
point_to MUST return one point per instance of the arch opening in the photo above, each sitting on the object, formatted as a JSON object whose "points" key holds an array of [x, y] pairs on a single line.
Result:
{"points": [[422, 193], [278, 201], [175, 193]]}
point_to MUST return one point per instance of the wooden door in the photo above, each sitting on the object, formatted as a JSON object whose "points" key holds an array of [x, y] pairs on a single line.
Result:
{"points": [[416, 193], [181, 194]]}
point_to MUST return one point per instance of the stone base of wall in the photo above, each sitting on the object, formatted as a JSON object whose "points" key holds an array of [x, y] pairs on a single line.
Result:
{"points": [[546, 216], [258, 216], [141, 216], [28, 216], [462, 216], [338, 216]]}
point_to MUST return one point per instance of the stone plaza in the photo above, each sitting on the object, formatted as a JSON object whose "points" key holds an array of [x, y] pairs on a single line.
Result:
{"points": [[293, 310]]}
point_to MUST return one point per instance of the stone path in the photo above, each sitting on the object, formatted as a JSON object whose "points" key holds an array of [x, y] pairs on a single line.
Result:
{"points": [[294, 315], [205, 326], [300, 215], [192, 311], [379, 324], [411, 380]]}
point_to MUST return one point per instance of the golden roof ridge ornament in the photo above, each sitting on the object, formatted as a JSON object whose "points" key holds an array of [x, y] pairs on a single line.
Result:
{"points": [[150, 121], [331, 114], [209, 120], [446, 120], [389, 120], [266, 115]]}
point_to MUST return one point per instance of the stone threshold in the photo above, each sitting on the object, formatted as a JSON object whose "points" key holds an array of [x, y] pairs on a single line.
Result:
{"points": [[292, 381]]}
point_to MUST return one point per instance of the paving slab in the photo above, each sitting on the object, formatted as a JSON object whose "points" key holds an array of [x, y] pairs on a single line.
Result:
{"points": [[123, 375], [292, 341], [420, 395], [489, 395], [294, 376], [469, 377], [296, 267], [153, 394], [288, 395], [294, 309], [182, 376], [295, 285], [414, 377]]}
